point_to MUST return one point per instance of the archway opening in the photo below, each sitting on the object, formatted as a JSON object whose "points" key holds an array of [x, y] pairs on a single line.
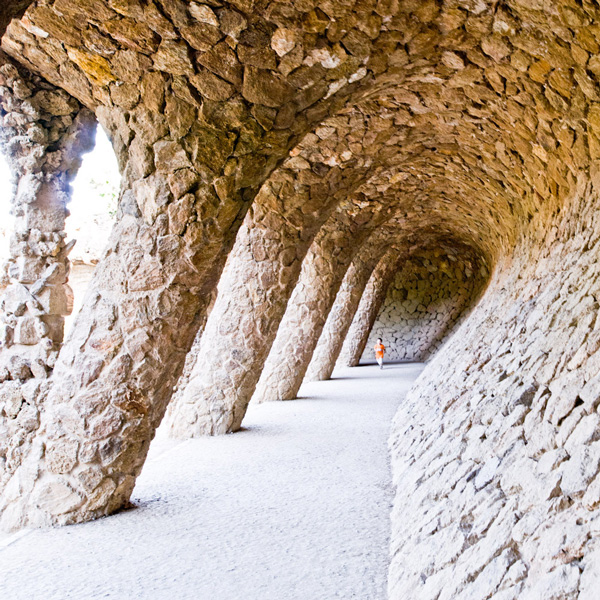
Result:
{"points": [[428, 297], [92, 211]]}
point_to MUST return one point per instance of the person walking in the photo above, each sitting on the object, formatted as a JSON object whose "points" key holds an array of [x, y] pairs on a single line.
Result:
{"points": [[379, 352]]}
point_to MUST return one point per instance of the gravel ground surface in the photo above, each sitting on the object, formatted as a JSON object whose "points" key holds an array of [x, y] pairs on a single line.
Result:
{"points": [[294, 507]]}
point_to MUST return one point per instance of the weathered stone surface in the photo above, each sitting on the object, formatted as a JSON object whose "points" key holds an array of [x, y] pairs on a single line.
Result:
{"points": [[367, 311], [484, 129], [44, 133], [322, 273], [343, 311]]}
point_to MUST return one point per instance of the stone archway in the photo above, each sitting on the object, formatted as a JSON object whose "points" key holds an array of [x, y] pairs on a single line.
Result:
{"points": [[196, 136], [488, 113]]}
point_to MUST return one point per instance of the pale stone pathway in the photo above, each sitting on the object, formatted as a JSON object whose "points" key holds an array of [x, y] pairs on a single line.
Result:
{"points": [[295, 507]]}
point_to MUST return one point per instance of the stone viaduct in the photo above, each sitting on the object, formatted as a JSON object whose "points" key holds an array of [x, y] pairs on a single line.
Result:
{"points": [[296, 174]]}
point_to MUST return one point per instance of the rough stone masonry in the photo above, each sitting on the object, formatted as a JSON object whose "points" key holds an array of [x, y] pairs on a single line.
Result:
{"points": [[427, 297], [472, 125]]}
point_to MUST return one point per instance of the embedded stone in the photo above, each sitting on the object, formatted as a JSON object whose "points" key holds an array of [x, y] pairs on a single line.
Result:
{"points": [[173, 57], [61, 455], [56, 498], [264, 87]]}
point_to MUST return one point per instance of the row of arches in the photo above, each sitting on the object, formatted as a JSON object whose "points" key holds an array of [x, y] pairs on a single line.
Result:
{"points": [[323, 210], [268, 150]]}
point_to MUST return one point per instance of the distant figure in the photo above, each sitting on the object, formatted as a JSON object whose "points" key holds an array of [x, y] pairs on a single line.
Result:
{"points": [[379, 352]]}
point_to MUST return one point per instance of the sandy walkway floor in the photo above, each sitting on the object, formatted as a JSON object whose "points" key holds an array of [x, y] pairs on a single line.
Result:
{"points": [[295, 507]]}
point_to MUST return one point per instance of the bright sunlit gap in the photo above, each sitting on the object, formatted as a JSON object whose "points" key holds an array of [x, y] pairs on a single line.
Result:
{"points": [[94, 202], [93, 206]]}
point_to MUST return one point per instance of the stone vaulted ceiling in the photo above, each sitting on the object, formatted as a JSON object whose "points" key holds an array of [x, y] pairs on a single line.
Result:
{"points": [[482, 102], [308, 143]]}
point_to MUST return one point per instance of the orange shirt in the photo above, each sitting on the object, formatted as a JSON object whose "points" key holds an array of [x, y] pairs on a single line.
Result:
{"points": [[379, 350]]}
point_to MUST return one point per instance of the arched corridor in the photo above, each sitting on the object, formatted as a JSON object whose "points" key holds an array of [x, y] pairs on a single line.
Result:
{"points": [[290, 508], [295, 177]]}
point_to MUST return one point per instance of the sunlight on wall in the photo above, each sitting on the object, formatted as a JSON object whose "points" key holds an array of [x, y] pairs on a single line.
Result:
{"points": [[93, 204], [93, 207], [6, 219]]}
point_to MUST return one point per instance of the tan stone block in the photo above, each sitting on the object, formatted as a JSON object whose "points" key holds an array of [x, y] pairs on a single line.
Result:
{"points": [[173, 57], [56, 497], [56, 299], [61, 455], [99, 497], [26, 331], [264, 87]]}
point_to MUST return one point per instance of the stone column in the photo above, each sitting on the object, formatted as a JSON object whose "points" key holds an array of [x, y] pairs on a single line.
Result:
{"points": [[368, 310], [322, 273], [43, 133], [182, 201], [341, 315], [259, 277], [116, 371]]}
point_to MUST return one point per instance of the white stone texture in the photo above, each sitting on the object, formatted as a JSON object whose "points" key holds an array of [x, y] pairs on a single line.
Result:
{"points": [[340, 317], [367, 311], [322, 273], [43, 133], [495, 450]]}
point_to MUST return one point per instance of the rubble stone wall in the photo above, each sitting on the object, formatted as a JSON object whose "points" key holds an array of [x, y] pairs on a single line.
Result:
{"points": [[496, 451], [43, 133], [424, 301]]}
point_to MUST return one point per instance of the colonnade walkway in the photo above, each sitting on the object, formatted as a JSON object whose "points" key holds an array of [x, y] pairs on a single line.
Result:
{"points": [[294, 507]]}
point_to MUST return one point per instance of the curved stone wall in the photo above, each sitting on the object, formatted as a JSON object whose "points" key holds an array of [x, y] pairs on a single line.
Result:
{"points": [[495, 451], [481, 123], [423, 303]]}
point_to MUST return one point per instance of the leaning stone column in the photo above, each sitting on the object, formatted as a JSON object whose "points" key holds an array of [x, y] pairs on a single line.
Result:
{"points": [[322, 273], [115, 372], [259, 278], [198, 126], [341, 315], [368, 309], [43, 133]]}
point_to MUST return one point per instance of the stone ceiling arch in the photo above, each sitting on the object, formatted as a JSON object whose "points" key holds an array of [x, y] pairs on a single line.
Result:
{"points": [[495, 106]]}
